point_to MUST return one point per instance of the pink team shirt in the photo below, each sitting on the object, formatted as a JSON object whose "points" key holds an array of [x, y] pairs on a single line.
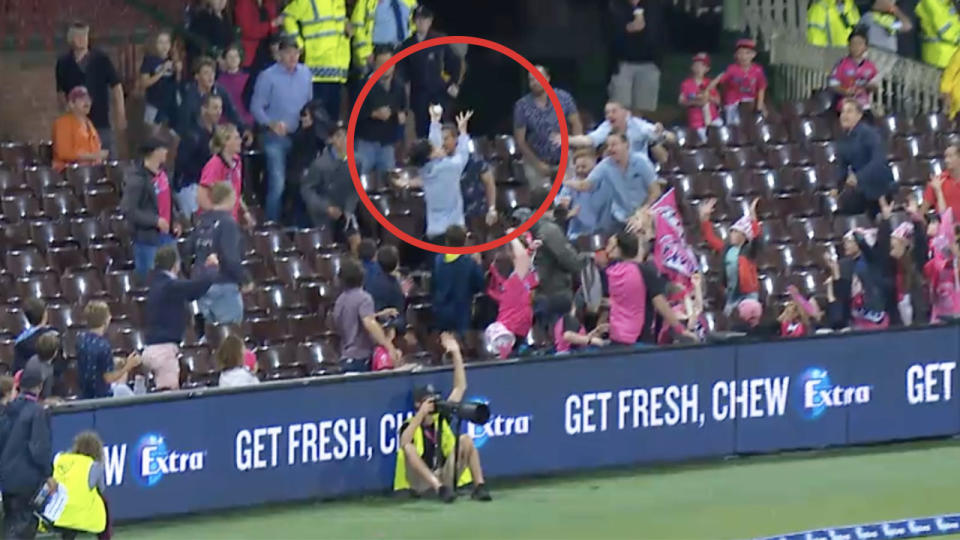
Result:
{"points": [[164, 202], [851, 74], [628, 302], [559, 343], [741, 85], [514, 298], [217, 170], [944, 293], [690, 89]]}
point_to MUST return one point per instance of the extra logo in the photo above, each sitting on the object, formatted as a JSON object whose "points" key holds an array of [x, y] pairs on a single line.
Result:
{"points": [[155, 460], [498, 426], [818, 393]]}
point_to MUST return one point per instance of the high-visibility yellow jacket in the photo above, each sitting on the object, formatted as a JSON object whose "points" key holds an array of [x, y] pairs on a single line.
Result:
{"points": [[84, 510], [940, 30], [363, 16], [447, 443], [320, 29], [950, 83], [828, 25]]}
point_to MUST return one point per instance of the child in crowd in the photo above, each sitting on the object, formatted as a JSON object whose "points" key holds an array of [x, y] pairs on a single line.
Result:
{"points": [[853, 76], [234, 80], [686, 299], [381, 356], [569, 333], [231, 358], [796, 318], [121, 387], [739, 253], [941, 271], [512, 281], [868, 252], [702, 101], [743, 82], [159, 76], [98, 371]]}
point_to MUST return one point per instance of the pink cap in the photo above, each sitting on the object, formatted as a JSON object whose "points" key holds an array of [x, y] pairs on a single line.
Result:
{"points": [[702, 57], [77, 93], [746, 43], [750, 311]]}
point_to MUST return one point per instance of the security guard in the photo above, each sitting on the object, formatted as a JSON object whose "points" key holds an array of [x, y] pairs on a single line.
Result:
{"points": [[380, 22], [950, 86], [323, 32], [940, 27], [829, 22], [80, 471]]}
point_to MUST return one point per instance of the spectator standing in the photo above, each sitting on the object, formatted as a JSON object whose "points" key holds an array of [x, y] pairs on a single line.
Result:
{"points": [[862, 166], [478, 187], [8, 392], [95, 355], [885, 23], [829, 22], [702, 102], [585, 206], [512, 281], [166, 314], [381, 120], [75, 138], [279, 95], [321, 28], [193, 153], [867, 277], [25, 345], [626, 289], [536, 129], [210, 30], [91, 68], [940, 28], [230, 358], [455, 279], [26, 456], [225, 166], [433, 75], [149, 206], [383, 284], [160, 76], [556, 261], [739, 254], [356, 322], [638, 44], [743, 82], [235, 81], [569, 333], [380, 23], [628, 178], [205, 83], [943, 190], [48, 347], [258, 23], [328, 191], [644, 137], [854, 76]]}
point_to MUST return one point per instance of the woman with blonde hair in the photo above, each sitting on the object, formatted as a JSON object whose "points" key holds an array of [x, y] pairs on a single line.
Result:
{"points": [[81, 473], [226, 165], [230, 357]]}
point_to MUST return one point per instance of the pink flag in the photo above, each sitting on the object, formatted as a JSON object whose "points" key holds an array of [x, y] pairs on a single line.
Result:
{"points": [[945, 234], [666, 206], [671, 252]]}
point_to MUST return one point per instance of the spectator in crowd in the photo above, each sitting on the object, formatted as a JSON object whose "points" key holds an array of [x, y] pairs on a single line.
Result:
{"points": [[75, 139], [626, 289], [328, 191], [943, 190], [512, 281], [81, 470], [478, 187], [26, 456], [380, 23], [48, 347], [941, 273], [8, 392], [862, 166], [356, 322], [748, 318], [367, 253], [160, 75], [308, 141], [885, 23], [628, 177], [910, 302], [432, 76], [235, 81], [829, 22], [536, 129], [258, 22], [233, 372], [225, 166], [25, 345], [149, 206], [120, 388], [644, 137], [440, 175], [209, 30], [381, 280], [743, 82], [205, 77], [739, 253], [798, 315], [194, 153], [557, 261], [166, 314], [280, 93], [586, 206], [940, 32], [701, 101], [382, 118], [569, 333], [455, 279], [217, 233], [854, 75], [321, 28], [92, 69], [870, 277], [639, 38], [95, 355], [950, 86]]}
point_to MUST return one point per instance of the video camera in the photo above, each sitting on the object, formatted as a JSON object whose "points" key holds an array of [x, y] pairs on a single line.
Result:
{"points": [[472, 411]]}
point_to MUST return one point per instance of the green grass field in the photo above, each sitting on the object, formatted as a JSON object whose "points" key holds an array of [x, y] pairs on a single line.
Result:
{"points": [[740, 498]]}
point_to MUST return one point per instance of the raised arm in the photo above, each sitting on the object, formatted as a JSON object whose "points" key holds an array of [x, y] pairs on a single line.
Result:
{"points": [[450, 345], [462, 153]]}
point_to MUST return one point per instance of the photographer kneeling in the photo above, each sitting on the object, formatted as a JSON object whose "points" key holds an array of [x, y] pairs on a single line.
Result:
{"points": [[425, 454]]}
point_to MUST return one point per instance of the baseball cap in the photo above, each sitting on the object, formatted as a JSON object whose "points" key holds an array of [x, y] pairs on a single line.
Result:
{"points": [[422, 12], [746, 43], [702, 57], [31, 376], [77, 93], [423, 392], [287, 42]]}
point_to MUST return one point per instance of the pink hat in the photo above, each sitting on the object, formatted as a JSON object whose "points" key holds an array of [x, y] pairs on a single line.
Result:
{"points": [[904, 231], [77, 93], [702, 57], [746, 43], [745, 226], [750, 311]]}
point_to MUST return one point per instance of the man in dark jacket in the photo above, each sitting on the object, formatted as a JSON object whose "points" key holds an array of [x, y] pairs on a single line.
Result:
{"points": [[862, 163], [328, 190], [25, 345], [557, 261], [455, 279], [194, 152], [433, 75], [149, 206], [166, 315], [26, 456]]}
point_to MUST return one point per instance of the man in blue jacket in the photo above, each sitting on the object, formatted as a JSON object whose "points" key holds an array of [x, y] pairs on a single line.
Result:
{"points": [[863, 170], [26, 456], [455, 279]]}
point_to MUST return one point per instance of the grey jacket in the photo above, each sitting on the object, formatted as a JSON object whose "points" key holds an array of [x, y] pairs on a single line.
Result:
{"points": [[139, 204], [328, 183], [557, 261]]}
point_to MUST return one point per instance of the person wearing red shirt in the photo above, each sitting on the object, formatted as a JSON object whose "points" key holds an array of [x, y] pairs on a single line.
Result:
{"points": [[943, 191], [743, 82], [258, 22], [854, 75], [702, 107], [739, 254]]}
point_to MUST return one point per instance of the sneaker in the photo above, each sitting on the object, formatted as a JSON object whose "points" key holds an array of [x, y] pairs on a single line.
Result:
{"points": [[480, 493], [446, 494]]}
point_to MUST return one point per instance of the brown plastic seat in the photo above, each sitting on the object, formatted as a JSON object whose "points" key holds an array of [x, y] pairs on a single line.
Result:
{"points": [[512, 197], [744, 157], [278, 362], [197, 367], [20, 206], [807, 130], [27, 261], [819, 229], [309, 242], [307, 325], [101, 198], [41, 179], [932, 123], [45, 232], [259, 269], [39, 285], [319, 357], [293, 270], [266, 330], [14, 322], [926, 169], [590, 243], [768, 133], [327, 266], [896, 125], [704, 159], [119, 283], [318, 296], [16, 154], [786, 182], [60, 203], [6, 355], [66, 256], [81, 176], [772, 259], [11, 180], [786, 155], [87, 229], [80, 288], [270, 242], [724, 136], [277, 299], [775, 231], [63, 317], [824, 153], [916, 146], [688, 138], [107, 253]]}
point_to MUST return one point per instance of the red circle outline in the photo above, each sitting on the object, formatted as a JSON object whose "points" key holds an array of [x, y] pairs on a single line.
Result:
{"points": [[448, 40]]}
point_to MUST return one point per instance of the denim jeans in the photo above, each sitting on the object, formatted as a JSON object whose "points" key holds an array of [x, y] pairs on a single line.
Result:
{"points": [[144, 253], [107, 141], [223, 304], [187, 200], [374, 156], [276, 149]]}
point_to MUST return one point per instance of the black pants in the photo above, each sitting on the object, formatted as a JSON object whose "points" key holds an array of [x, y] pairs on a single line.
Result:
{"points": [[18, 520], [329, 93], [853, 201]]}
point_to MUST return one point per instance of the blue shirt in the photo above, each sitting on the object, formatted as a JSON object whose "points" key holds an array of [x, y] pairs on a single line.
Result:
{"points": [[541, 123], [627, 189], [385, 22], [94, 358], [441, 184], [594, 209], [280, 94], [640, 133]]}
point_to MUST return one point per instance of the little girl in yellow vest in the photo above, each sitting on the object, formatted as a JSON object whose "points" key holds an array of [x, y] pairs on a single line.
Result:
{"points": [[81, 472]]}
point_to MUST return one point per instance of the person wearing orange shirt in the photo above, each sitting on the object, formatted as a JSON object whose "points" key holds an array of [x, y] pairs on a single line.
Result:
{"points": [[75, 140], [943, 190]]}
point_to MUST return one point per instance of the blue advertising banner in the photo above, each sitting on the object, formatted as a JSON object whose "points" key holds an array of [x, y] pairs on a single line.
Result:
{"points": [[325, 438]]}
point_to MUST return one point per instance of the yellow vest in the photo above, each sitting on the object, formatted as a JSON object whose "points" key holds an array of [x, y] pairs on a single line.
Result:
{"points": [[940, 30], [950, 83], [84, 510], [829, 27], [447, 443], [320, 29], [887, 21], [362, 18]]}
